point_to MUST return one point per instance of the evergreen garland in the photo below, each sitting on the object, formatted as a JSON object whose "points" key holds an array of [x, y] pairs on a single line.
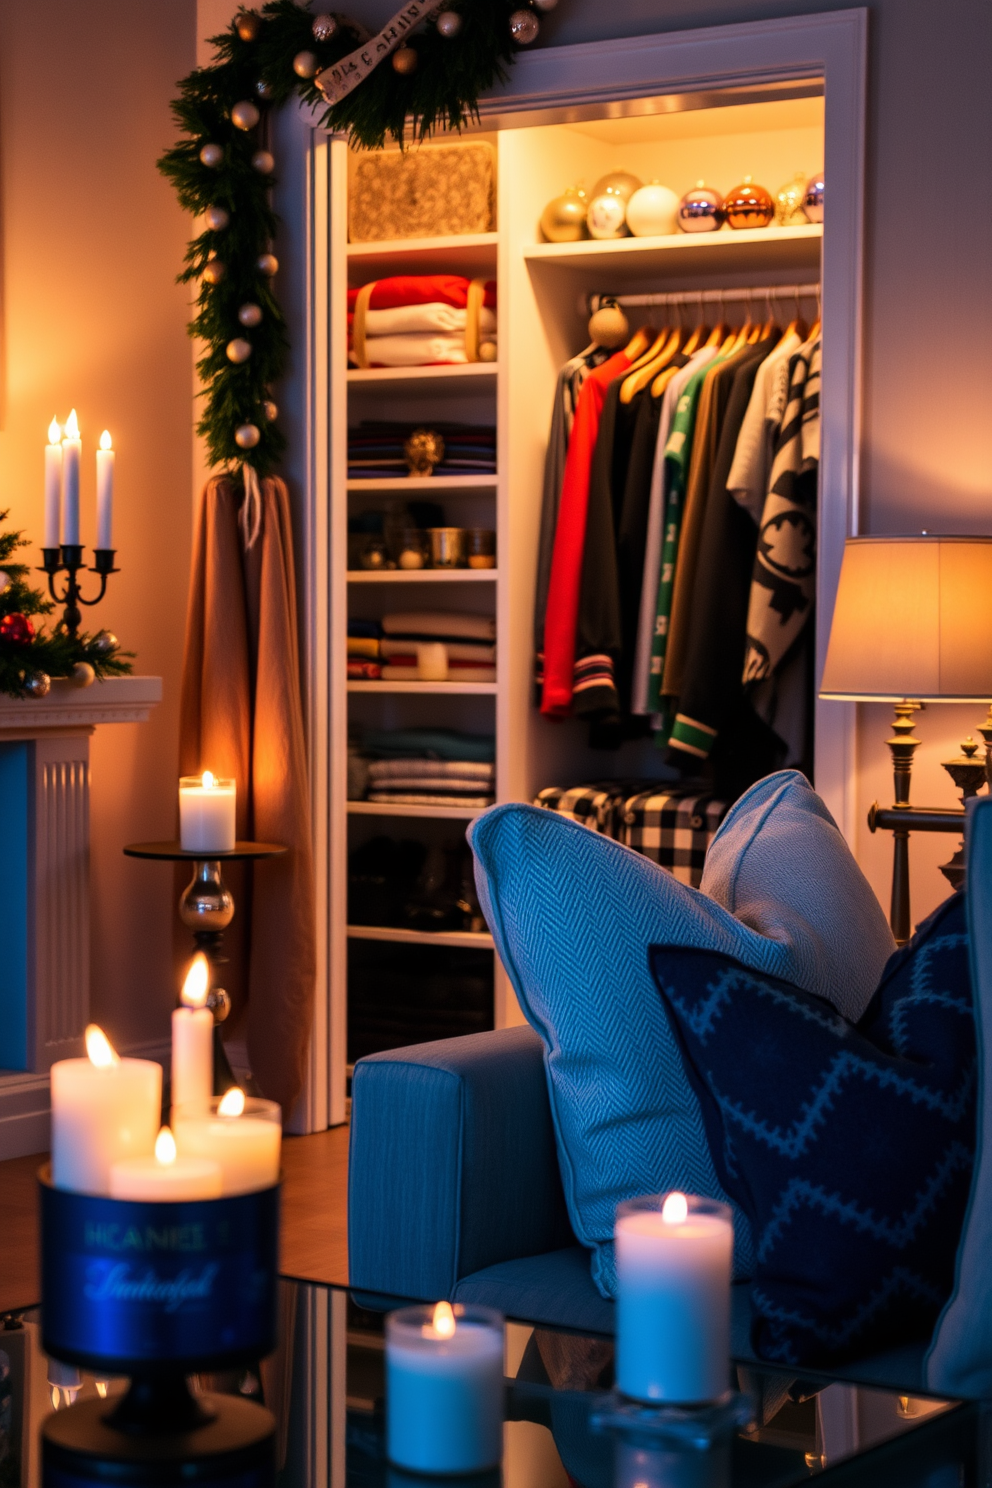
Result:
{"points": [[51, 653], [442, 91]]}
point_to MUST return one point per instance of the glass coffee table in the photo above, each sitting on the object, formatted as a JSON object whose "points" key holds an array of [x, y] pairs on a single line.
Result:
{"points": [[325, 1386]]}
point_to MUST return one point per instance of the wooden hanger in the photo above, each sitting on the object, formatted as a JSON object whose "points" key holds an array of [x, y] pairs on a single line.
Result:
{"points": [[649, 367], [638, 343], [662, 380], [695, 339]]}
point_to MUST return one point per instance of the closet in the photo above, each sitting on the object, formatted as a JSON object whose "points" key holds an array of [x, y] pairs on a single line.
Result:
{"points": [[395, 984]]}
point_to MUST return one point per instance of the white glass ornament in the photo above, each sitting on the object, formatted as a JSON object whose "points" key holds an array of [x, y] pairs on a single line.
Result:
{"points": [[524, 27], [212, 155], [238, 350], [305, 64], [217, 218], [449, 23], [245, 115], [324, 27], [606, 217], [264, 162], [246, 436], [267, 264], [250, 315], [653, 211]]}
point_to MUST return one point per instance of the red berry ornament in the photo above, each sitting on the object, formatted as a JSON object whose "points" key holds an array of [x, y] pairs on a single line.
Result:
{"points": [[16, 629]]}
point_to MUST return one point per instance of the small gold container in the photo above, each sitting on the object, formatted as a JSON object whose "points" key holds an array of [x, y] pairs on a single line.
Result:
{"points": [[447, 547], [480, 547]]}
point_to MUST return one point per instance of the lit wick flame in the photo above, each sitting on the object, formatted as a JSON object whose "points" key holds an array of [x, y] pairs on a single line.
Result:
{"points": [[208, 780], [72, 426], [233, 1103], [105, 440], [443, 1320], [165, 1147], [197, 983], [675, 1209], [55, 432], [100, 1050], [101, 1388]]}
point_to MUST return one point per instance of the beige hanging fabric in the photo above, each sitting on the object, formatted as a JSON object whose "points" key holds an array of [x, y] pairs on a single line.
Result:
{"points": [[241, 715]]}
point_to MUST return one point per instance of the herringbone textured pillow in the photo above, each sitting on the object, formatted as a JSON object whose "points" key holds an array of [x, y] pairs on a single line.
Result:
{"points": [[849, 1147]]}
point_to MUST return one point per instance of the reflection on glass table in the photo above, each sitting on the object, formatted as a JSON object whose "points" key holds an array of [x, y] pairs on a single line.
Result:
{"points": [[325, 1385]]}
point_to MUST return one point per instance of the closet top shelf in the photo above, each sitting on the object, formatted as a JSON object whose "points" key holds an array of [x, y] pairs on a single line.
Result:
{"points": [[471, 254], [750, 247]]}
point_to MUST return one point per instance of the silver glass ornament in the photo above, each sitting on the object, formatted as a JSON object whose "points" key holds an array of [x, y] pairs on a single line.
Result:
{"points": [[246, 436], [544, 4], [701, 209], [105, 641], [250, 315], [238, 350], [264, 89], [245, 115], [217, 218], [264, 162], [449, 23], [39, 684], [267, 264], [813, 199], [271, 410], [305, 64], [324, 27], [405, 61], [212, 155], [524, 27]]}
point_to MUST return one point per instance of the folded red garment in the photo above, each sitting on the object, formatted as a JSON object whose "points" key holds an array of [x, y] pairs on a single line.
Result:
{"points": [[363, 671], [422, 289]]}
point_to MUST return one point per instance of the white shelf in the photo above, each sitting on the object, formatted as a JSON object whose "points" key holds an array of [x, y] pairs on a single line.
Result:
{"points": [[448, 689], [383, 808], [442, 485], [470, 254], [444, 379], [470, 939], [749, 248], [422, 576]]}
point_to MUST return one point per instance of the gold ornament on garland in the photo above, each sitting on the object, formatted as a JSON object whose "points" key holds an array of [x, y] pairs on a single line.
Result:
{"points": [[247, 436], [405, 61], [264, 162], [449, 23], [305, 64], [212, 156], [245, 115], [217, 218], [82, 675], [214, 271], [271, 410], [267, 264], [324, 27], [248, 24], [524, 27], [250, 315], [238, 350]]}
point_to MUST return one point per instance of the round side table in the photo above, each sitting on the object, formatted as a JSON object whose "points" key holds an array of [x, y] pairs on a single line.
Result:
{"points": [[207, 908]]}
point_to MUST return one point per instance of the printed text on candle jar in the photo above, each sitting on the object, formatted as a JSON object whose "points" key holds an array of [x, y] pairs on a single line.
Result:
{"points": [[120, 1285], [182, 1238]]}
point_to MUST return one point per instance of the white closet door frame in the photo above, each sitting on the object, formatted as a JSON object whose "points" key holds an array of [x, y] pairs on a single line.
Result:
{"points": [[551, 82]]}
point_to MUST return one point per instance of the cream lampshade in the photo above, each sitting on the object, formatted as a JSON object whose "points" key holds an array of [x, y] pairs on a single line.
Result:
{"points": [[912, 623]]}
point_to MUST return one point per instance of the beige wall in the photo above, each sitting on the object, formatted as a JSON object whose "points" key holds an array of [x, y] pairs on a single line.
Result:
{"points": [[91, 243]]}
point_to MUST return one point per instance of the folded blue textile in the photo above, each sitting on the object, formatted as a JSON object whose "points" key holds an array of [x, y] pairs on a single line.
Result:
{"points": [[849, 1146], [370, 629], [424, 743]]}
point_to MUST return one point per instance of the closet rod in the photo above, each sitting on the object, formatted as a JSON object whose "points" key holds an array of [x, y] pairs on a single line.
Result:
{"points": [[756, 294]]}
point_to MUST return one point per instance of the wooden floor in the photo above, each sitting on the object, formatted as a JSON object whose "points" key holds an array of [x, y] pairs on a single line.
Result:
{"points": [[314, 1234]]}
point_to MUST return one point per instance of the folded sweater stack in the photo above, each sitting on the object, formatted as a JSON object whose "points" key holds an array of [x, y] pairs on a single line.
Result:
{"points": [[376, 449], [363, 651], [431, 767], [469, 640], [417, 320]]}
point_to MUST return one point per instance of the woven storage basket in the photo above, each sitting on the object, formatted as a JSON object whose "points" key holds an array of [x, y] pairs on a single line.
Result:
{"points": [[423, 193]]}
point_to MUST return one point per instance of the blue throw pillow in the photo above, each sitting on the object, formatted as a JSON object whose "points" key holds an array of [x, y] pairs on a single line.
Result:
{"points": [[848, 1146]]}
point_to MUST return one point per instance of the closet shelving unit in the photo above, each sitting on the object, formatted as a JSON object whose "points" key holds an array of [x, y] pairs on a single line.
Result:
{"points": [[541, 289]]}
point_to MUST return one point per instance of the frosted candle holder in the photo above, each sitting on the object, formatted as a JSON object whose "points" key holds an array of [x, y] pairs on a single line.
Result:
{"points": [[246, 1146], [444, 1389], [207, 810]]}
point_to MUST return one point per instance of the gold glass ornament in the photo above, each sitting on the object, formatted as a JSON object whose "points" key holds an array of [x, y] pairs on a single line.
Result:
{"points": [[564, 219], [749, 205], [405, 61], [324, 27], [524, 27], [449, 23], [789, 201], [267, 264], [250, 315], [244, 115], [620, 183], [487, 351], [264, 162], [246, 436], [212, 155], [82, 675], [214, 270], [305, 64], [238, 350], [271, 410], [217, 218], [609, 327], [248, 24]]}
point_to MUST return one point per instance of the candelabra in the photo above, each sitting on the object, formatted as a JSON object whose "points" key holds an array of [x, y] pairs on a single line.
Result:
{"points": [[68, 559]]}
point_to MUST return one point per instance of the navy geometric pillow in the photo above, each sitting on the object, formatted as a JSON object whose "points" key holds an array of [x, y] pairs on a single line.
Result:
{"points": [[849, 1147]]}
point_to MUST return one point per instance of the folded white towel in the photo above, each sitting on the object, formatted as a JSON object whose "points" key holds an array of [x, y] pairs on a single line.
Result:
{"points": [[456, 625], [457, 650], [415, 351], [436, 316], [381, 771]]}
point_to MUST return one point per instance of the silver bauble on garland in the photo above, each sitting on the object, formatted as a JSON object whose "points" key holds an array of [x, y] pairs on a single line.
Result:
{"points": [[264, 162], [405, 61], [264, 89], [271, 410], [238, 350], [39, 684], [305, 64], [246, 436], [544, 4], [524, 27], [214, 271], [105, 641], [449, 23], [212, 155], [217, 218], [324, 27], [267, 264], [244, 115], [250, 315]]}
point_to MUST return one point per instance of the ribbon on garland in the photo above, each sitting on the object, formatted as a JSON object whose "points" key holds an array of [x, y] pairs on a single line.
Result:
{"points": [[337, 81]]}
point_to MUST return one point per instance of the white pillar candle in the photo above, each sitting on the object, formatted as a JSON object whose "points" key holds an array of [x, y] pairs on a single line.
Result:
{"points": [[53, 485], [103, 1109], [72, 451], [432, 661], [193, 1044], [106, 458], [243, 1136], [207, 808], [164, 1177], [673, 1258], [444, 1388]]}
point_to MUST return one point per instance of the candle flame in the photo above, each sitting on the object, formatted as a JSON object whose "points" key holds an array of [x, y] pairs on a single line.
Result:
{"points": [[105, 440], [101, 1388], [443, 1320], [208, 780], [72, 426], [197, 983], [675, 1209], [165, 1147], [54, 432], [233, 1103], [99, 1048]]}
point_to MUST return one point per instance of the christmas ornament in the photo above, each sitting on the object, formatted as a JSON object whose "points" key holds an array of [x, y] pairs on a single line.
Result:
{"points": [[653, 211], [305, 64], [105, 641], [813, 198], [544, 4], [250, 315], [749, 205], [789, 201], [324, 27], [564, 219], [606, 217], [214, 271], [264, 162], [38, 684], [271, 410], [620, 183], [244, 115], [267, 264], [217, 218], [701, 209], [247, 436], [487, 351], [608, 326], [4, 579], [16, 629], [238, 350], [449, 23], [264, 89], [524, 27], [82, 675], [404, 61], [248, 23], [212, 155]]}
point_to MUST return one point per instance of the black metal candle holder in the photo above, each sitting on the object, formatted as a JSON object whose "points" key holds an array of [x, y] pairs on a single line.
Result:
{"points": [[68, 559]]}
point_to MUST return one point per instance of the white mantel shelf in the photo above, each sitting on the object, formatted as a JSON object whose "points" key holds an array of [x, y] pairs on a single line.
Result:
{"points": [[113, 700]]}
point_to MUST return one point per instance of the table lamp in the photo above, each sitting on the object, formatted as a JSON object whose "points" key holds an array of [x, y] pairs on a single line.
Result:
{"points": [[912, 624]]}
